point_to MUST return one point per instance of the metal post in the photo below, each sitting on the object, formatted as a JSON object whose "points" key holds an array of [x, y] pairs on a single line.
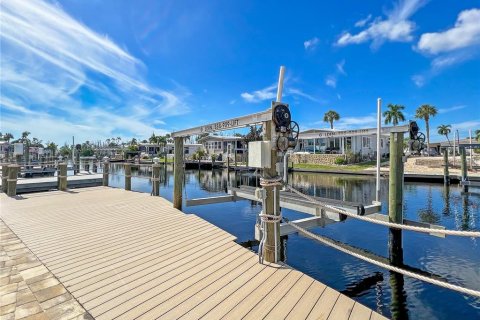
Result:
{"points": [[62, 176], [106, 169], [12, 180], [463, 155], [471, 149], [178, 173], [4, 178], [446, 175], [395, 195], [128, 176], [379, 130], [454, 147], [156, 179]]}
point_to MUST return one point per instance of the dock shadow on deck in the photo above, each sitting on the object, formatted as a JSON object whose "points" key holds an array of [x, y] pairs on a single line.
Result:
{"points": [[128, 255]]}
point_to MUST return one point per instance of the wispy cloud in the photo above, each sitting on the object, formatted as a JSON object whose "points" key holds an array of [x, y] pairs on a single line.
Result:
{"points": [[311, 44], [396, 27], [66, 73], [363, 22], [451, 109], [353, 122], [270, 93], [450, 47], [332, 79]]}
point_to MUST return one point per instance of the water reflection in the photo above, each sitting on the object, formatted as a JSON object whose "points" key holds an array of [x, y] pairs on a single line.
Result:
{"points": [[428, 214]]}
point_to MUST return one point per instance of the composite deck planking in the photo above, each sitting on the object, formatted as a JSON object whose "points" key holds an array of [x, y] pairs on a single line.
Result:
{"points": [[127, 255]]}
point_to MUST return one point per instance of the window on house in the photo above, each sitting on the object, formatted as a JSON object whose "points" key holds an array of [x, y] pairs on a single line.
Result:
{"points": [[365, 142]]}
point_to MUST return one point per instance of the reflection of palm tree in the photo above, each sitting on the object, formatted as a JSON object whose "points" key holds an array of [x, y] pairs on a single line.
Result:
{"points": [[428, 215]]}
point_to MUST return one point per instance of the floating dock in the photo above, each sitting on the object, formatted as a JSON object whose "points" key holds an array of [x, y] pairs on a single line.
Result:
{"points": [[126, 255]]}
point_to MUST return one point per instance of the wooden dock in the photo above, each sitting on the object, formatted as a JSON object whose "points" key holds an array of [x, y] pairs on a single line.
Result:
{"points": [[126, 255], [26, 185]]}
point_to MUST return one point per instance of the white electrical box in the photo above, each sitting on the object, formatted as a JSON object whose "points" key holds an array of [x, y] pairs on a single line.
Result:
{"points": [[259, 154], [17, 149]]}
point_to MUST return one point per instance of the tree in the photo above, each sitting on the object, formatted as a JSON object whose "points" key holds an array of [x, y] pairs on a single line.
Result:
{"points": [[7, 136], [394, 114], [25, 135], [477, 135], [65, 151], [445, 129], [424, 112], [331, 116], [52, 147]]}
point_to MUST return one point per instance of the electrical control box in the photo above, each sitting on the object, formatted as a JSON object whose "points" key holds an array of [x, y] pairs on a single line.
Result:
{"points": [[259, 154]]}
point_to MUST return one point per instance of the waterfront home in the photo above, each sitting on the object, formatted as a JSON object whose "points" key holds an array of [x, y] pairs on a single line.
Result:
{"points": [[4, 149], [358, 141], [189, 148], [219, 145]]}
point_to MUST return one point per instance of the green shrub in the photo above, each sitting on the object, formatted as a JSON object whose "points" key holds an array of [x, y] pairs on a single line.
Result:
{"points": [[340, 161]]}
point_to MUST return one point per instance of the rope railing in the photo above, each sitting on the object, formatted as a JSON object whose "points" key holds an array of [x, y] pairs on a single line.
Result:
{"points": [[459, 233], [387, 266]]}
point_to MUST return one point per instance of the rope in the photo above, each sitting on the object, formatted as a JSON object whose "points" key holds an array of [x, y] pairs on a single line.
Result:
{"points": [[271, 182], [385, 265], [459, 233]]}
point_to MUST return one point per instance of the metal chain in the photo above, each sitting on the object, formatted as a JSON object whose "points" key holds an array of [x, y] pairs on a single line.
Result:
{"points": [[384, 265], [459, 233]]}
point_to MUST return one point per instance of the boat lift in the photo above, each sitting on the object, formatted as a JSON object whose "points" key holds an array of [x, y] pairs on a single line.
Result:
{"points": [[280, 135]]}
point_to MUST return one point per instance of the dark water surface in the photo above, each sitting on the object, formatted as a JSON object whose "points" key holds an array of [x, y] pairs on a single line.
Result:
{"points": [[455, 259]]}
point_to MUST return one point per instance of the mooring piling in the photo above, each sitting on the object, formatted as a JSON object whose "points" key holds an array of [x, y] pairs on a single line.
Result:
{"points": [[106, 169], [395, 196], [463, 162], [128, 176], [62, 176], [178, 173], [446, 175], [156, 177], [4, 178], [12, 180]]}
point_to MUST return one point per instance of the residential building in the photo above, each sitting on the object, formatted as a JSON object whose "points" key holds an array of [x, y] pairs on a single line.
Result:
{"points": [[220, 144], [360, 141]]}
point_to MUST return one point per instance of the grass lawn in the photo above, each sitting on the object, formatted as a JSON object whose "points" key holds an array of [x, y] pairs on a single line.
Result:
{"points": [[348, 167]]}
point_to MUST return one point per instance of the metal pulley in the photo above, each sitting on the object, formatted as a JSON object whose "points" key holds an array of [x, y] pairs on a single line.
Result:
{"points": [[417, 138]]}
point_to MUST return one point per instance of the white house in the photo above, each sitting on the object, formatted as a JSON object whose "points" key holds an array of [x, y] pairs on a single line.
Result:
{"points": [[4, 149], [220, 144], [362, 141]]}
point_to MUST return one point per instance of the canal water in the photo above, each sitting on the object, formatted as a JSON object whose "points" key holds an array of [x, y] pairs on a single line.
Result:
{"points": [[454, 259]]}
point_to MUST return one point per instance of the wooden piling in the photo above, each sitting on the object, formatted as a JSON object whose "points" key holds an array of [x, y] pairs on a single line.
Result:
{"points": [[395, 197], [446, 175], [128, 176], [4, 178], [106, 168], [12, 180], [156, 179], [178, 174], [77, 162], [62, 176], [272, 202], [463, 162]]}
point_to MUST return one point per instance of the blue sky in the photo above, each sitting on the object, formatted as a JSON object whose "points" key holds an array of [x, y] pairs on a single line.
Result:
{"points": [[98, 69]]}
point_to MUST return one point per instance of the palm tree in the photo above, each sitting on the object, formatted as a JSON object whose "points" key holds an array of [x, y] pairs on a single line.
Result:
{"points": [[394, 114], [25, 135], [477, 135], [7, 136], [331, 116], [445, 129], [424, 112]]}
